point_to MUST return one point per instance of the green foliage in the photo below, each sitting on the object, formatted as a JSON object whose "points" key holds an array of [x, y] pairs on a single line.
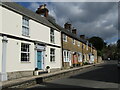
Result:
{"points": [[99, 53], [118, 44], [85, 63], [97, 42]]}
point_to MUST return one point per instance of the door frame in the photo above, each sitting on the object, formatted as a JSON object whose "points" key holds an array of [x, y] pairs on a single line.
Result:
{"points": [[40, 48]]}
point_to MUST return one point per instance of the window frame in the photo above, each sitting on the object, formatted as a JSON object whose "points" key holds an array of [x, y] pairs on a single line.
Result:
{"points": [[27, 47], [78, 44], [87, 45], [80, 57], [25, 26], [52, 55], [64, 38], [52, 36], [73, 41], [66, 55]]}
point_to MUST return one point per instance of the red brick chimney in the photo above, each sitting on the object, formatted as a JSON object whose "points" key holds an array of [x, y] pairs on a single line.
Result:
{"points": [[82, 36], [67, 26], [42, 10], [74, 31]]}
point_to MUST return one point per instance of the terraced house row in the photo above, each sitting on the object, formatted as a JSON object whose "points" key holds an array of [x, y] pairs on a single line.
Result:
{"points": [[32, 41]]}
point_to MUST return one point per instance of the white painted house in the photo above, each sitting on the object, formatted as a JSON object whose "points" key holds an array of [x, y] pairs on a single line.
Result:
{"points": [[28, 42]]}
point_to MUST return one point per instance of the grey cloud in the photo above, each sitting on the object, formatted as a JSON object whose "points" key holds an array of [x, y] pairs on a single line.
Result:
{"points": [[89, 18]]}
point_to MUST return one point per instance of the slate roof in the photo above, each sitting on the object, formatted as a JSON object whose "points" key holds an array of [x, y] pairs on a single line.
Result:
{"points": [[43, 20], [67, 32]]}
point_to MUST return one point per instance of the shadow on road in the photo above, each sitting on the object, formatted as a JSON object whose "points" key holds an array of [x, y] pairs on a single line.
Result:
{"points": [[107, 73], [104, 73], [62, 86]]}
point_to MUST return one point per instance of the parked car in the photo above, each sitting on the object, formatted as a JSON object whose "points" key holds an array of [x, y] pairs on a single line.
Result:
{"points": [[108, 59]]}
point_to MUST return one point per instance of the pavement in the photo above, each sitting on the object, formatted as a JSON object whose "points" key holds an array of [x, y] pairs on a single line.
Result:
{"points": [[27, 81], [100, 77]]}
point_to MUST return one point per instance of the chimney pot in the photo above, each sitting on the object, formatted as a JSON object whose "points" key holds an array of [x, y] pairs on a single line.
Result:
{"points": [[42, 10], [67, 26], [82, 36], [74, 31]]}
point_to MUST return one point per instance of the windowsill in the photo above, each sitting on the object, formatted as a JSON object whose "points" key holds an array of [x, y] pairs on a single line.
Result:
{"points": [[65, 40], [52, 61], [26, 36], [66, 61], [52, 42], [25, 62]]}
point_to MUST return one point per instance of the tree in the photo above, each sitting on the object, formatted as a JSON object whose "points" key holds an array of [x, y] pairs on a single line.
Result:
{"points": [[118, 49], [97, 42], [118, 44]]}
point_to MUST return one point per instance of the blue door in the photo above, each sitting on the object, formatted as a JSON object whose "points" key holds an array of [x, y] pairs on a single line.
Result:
{"points": [[39, 59]]}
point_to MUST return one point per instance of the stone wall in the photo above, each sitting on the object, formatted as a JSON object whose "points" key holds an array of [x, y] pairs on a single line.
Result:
{"points": [[99, 59], [19, 74]]}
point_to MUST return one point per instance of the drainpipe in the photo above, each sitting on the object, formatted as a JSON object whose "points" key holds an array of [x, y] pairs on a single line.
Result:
{"points": [[62, 50], [3, 76], [82, 55]]}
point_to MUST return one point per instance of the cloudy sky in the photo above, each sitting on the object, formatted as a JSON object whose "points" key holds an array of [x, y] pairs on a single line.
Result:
{"points": [[89, 18]]}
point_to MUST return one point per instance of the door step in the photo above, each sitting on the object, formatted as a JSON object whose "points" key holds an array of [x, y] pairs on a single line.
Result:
{"points": [[39, 72]]}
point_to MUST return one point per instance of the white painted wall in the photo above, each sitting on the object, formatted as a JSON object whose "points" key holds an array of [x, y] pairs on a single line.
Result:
{"points": [[58, 59], [39, 32], [12, 25], [57, 38], [0, 19], [13, 62], [0, 53], [11, 22], [42, 33]]}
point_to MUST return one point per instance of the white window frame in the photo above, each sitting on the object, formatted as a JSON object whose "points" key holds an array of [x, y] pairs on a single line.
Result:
{"points": [[66, 56], [78, 44], [87, 45], [64, 38], [79, 57], [73, 41], [52, 36], [25, 26], [27, 52], [52, 55]]}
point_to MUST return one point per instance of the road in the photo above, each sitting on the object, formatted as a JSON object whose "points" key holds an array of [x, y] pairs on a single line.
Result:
{"points": [[101, 77]]}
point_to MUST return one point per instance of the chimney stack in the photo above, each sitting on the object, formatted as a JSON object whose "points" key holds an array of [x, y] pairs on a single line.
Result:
{"points": [[74, 31], [67, 26], [42, 10], [82, 37]]}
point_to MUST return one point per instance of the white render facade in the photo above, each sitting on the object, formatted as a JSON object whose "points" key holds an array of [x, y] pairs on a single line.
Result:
{"points": [[28, 49]]}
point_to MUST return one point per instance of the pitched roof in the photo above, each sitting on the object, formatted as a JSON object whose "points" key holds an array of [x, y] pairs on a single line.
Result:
{"points": [[43, 20], [28, 13], [65, 31]]}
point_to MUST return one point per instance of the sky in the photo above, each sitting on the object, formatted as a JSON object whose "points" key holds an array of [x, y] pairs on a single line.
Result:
{"points": [[89, 18]]}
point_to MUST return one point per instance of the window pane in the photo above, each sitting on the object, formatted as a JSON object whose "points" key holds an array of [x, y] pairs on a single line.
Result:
{"points": [[25, 52], [25, 25]]}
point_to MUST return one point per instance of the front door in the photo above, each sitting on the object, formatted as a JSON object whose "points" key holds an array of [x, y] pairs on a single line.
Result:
{"points": [[39, 59]]}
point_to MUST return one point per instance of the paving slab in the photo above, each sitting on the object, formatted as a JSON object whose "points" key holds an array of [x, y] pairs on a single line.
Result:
{"points": [[22, 82]]}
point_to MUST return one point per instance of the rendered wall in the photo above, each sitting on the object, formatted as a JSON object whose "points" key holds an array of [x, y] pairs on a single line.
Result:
{"points": [[13, 61], [58, 59]]}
